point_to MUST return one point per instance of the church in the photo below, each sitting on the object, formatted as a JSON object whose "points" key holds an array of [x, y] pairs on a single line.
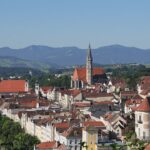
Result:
{"points": [[87, 76]]}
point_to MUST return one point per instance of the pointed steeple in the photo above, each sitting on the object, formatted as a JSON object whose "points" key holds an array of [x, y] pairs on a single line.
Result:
{"points": [[89, 66], [89, 53]]}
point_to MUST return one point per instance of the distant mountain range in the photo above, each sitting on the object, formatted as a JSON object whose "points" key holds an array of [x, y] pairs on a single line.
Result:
{"points": [[37, 56]]}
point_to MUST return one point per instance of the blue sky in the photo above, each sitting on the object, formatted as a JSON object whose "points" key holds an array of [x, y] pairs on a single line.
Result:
{"points": [[59, 23]]}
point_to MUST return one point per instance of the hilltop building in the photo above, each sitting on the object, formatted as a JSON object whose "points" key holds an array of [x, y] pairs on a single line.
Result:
{"points": [[87, 76]]}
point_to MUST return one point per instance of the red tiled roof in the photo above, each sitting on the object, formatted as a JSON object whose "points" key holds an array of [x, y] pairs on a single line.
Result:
{"points": [[133, 108], [44, 121], [144, 106], [62, 125], [93, 123], [72, 92], [145, 83], [80, 73], [145, 79], [45, 89], [92, 93], [145, 92], [147, 147], [72, 131], [46, 145], [28, 104], [104, 102], [12, 86], [108, 116], [81, 104], [132, 101], [128, 93]]}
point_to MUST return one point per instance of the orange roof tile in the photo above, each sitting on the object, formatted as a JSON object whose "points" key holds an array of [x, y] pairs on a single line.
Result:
{"points": [[145, 92], [62, 125], [80, 73], [133, 102], [28, 104], [82, 104], [7, 86], [93, 123], [44, 121], [147, 147], [75, 92], [108, 116], [45, 89], [46, 145], [144, 106]]}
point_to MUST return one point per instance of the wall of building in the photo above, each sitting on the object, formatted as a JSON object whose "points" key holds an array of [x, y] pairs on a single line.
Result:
{"points": [[142, 126]]}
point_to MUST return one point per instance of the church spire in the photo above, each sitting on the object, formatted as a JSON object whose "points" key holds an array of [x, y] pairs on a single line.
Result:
{"points": [[89, 53], [89, 66]]}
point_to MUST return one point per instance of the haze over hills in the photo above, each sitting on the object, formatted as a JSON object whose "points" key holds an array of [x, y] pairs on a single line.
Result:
{"points": [[37, 55], [13, 62]]}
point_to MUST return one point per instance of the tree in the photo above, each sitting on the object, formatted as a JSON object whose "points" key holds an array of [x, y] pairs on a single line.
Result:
{"points": [[12, 136], [23, 141]]}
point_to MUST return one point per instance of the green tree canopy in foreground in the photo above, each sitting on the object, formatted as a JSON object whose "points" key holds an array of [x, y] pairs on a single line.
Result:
{"points": [[13, 137]]}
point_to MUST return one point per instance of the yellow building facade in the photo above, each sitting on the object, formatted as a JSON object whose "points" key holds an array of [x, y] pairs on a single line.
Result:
{"points": [[89, 138]]}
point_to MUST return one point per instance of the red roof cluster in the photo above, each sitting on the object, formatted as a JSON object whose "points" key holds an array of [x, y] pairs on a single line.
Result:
{"points": [[12, 86], [80, 73]]}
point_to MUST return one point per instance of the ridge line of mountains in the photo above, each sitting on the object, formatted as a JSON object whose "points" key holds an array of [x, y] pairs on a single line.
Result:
{"points": [[37, 56]]}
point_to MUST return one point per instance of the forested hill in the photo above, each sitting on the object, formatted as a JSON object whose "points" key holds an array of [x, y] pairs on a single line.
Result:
{"points": [[66, 56]]}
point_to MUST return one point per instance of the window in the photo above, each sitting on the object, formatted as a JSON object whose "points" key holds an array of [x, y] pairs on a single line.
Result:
{"points": [[80, 84], [70, 141], [140, 119], [118, 132], [144, 135], [75, 141], [110, 108]]}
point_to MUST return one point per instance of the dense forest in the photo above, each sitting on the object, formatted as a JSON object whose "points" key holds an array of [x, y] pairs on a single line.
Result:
{"points": [[13, 137], [49, 78], [131, 73]]}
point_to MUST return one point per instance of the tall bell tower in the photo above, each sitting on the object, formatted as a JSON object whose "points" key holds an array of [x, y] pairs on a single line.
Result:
{"points": [[89, 66]]}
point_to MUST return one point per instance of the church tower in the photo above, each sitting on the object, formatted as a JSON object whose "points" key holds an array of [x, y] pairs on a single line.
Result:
{"points": [[89, 67]]}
